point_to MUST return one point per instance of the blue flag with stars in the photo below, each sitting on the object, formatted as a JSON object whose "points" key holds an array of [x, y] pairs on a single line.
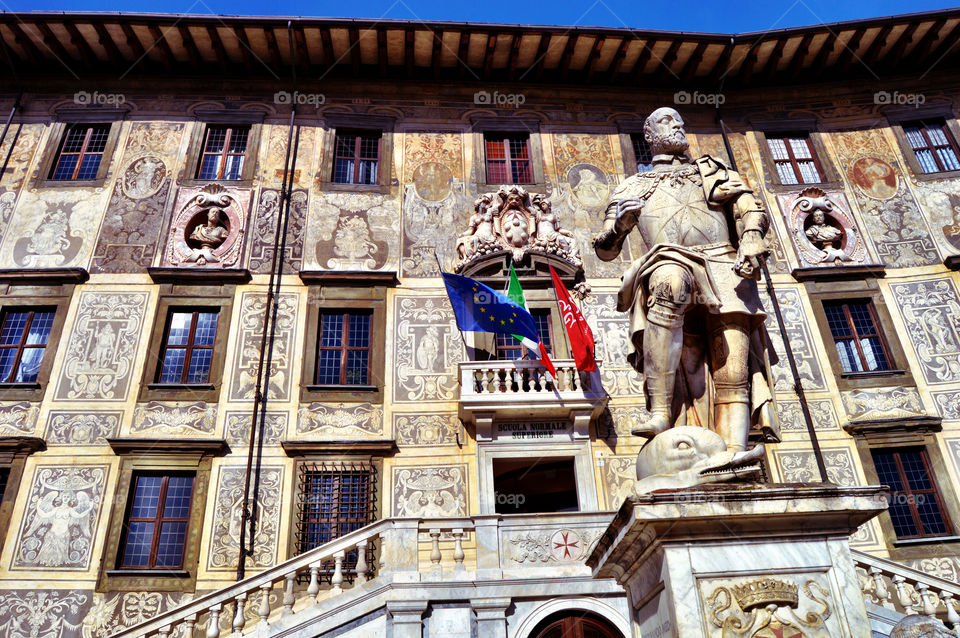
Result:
{"points": [[479, 308]]}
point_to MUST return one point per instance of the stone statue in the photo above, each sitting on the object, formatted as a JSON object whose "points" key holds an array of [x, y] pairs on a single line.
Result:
{"points": [[696, 319], [209, 236], [916, 626], [820, 233], [480, 229]]}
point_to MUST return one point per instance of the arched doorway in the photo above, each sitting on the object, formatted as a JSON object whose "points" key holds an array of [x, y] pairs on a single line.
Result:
{"points": [[575, 625]]}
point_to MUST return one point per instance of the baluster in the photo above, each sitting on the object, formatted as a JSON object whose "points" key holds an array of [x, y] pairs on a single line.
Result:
{"points": [[928, 600], [164, 632], [458, 549], [188, 624], [435, 548], [337, 579], [362, 567], [288, 596], [213, 622], [239, 619], [952, 615], [903, 595], [264, 609], [314, 587], [880, 590]]}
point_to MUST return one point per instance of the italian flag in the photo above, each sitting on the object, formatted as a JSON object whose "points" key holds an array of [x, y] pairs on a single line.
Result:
{"points": [[515, 294]]}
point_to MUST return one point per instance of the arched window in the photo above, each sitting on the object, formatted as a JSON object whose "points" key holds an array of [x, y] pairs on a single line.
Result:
{"points": [[575, 624]]}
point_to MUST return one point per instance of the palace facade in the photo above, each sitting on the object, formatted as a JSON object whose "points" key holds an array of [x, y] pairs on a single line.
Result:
{"points": [[411, 480]]}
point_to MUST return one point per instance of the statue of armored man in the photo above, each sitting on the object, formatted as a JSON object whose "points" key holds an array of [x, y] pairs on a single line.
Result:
{"points": [[697, 324]]}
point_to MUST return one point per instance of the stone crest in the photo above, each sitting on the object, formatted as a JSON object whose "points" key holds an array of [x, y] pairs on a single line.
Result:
{"points": [[767, 607], [208, 228], [511, 221], [823, 228]]}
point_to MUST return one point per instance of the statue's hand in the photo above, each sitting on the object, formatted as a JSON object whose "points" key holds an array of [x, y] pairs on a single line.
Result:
{"points": [[605, 240], [751, 251]]}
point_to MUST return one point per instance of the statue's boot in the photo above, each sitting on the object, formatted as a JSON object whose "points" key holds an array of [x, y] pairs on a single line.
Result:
{"points": [[662, 347], [733, 424]]}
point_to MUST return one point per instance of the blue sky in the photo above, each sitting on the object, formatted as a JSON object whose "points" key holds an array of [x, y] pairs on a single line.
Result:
{"points": [[732, 16]]}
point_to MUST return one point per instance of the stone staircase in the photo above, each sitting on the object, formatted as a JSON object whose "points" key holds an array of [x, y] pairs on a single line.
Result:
{"points": [[489, 560]]}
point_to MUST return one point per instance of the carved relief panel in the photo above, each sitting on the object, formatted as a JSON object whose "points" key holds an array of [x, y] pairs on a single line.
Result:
{"points": [[87, 427], [430, 491], [227, 515], [174, 419], [427, 349], [341, 420], [823, 229], [208, 227], [103, 344], [931, 312], [136, 214], [62, 513]]}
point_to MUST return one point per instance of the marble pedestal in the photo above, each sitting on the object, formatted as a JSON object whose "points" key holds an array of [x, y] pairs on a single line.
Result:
{"points": [[725, 561]]}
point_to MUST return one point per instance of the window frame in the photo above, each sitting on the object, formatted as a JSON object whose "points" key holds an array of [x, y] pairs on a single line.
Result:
{"points": [[347, 122], [81, 154], [897, 117], [947, 132], [869, 290], [358, 136], [57, 298], [158, 519], [345, 298], [185, 297], [189, 347], [909, 492], [635, 139], [483, 126], [216, 118], [23, 345], [344, 348], [856, 336], [508, 159], [225, 154], [306, 468], [524, 352], [792, 159], [58, 135], [828, 170]]}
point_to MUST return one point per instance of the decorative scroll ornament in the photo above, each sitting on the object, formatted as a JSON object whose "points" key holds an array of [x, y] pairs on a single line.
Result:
{"points": [[207, 230], [767, 607], [511, 221]]}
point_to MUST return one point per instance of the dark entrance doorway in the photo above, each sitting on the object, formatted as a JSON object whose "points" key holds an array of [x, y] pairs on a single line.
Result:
{"points": [[575, 625], [525, 486]]}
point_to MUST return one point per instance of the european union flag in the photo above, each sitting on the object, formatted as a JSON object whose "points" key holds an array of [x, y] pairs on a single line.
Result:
{"points": [[480, 308]]}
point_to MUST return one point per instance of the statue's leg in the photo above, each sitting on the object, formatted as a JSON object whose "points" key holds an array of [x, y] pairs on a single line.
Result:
{"points": [[669, 297], [729, 357]]}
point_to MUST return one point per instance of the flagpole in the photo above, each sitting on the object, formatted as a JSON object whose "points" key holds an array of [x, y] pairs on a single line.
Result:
{"points": [[462, 338]]}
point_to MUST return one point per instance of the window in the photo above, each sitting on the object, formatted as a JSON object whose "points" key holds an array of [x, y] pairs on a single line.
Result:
{"points": [[4, 478], [508, 348], [335, 498], [357, 157], [916, 507], [343, 350], [23, 340], [795, 159], [156, 523], [523, 486], [188, 346], [642, 153], [81, 152], [508, 158], [932, 145], [224, 153], [859, 344]]}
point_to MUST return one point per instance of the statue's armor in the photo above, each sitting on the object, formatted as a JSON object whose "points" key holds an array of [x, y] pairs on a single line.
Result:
{"points": [[676, 211]]}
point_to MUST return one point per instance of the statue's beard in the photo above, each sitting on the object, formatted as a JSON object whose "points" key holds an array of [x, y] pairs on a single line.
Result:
{"points": [[673, 143]]}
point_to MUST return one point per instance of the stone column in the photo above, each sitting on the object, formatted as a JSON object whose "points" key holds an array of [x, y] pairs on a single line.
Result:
{"points": [[740, 558], [491, 616], [406, 617], [487, 530]]}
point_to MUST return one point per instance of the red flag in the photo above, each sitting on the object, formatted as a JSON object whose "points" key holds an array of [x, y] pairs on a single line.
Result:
{"points": [[581, 337]]}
